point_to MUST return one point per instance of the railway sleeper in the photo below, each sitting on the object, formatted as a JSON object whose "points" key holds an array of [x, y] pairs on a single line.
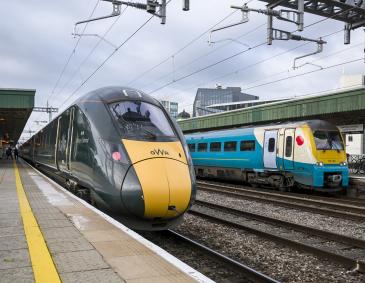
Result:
{"points": [[347, 262]]}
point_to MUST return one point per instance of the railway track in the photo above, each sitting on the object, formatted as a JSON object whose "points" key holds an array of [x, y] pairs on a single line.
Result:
{"points": [[348, 210], [347, 251], [242, 270]]}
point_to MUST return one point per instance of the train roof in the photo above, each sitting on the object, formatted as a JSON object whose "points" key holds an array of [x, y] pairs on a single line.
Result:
{"points": [[116, 93], [313, 124]]}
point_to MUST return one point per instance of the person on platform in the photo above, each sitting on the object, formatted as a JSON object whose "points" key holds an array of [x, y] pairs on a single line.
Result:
{"points": [[16, 153], [9, 154]]}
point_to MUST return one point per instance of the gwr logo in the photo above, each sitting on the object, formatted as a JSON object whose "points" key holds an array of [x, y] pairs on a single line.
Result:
{"points": [[159, 152]]}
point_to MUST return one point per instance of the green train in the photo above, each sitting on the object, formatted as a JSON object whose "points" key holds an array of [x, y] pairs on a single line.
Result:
{"points": [[119, 148]]}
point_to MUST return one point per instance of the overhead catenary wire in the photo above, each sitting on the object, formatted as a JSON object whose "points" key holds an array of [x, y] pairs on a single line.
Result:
{"points": [[310, 63], [235, 72], [305, 73], [92, 51], [272, 57], [207, 67], [106, 60], [232, 56], [73, 51], [206, 54], [49, 95], [180, 50]]}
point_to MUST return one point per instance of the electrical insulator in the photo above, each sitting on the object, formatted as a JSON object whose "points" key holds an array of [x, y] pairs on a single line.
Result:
{"points": [[186, 5], [151, 7]]}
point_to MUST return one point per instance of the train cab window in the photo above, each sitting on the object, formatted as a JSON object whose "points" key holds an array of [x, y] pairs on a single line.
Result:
{"points": [[142, 121], [215, 146], [202, 147], [247, 146], [288, 146], [230, 146], [191, 147], [271, 145], [328, 140]]}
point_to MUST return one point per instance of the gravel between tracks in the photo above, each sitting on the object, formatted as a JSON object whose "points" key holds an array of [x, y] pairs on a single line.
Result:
{"points": [[279, 262], [332, 224], [194, 258]]}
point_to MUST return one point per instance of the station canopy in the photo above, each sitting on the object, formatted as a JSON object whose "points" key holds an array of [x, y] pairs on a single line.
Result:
{"points": [[343, 107], [16, 105]]}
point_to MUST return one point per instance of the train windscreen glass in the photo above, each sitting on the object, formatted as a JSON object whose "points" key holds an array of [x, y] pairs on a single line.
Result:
{"points": [[327, 140], [141, 120]]}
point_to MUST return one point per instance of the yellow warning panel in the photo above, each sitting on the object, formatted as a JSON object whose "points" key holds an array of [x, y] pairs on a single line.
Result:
{"points": [[165, 183]]}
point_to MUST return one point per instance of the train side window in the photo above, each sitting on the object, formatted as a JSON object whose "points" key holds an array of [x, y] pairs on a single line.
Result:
{"points": [[82, 140], [191, 147], [215, 146], [247, 146], [271, 145], [230, 146], [202, 147], [288, 146]]}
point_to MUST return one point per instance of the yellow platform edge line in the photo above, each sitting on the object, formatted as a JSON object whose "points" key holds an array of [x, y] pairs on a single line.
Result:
{"points": [[43, 266]]}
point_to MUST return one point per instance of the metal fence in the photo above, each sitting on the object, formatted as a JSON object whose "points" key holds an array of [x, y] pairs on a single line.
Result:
{"points": [[356, 163]]}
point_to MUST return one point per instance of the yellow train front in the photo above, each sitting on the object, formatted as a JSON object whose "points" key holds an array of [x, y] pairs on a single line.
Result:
{"points": [[159, 184], [119, 148]]}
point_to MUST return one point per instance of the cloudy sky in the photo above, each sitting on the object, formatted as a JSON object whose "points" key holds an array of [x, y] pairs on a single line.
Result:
{"points": [[37, 42]]}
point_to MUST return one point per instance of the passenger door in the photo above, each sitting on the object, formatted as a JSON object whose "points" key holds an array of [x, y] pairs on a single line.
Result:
{"points": [[289, 149], [64, 132], [270, 149]]}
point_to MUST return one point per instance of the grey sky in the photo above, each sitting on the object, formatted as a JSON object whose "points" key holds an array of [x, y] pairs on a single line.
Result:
{"points": [[36, 41]]}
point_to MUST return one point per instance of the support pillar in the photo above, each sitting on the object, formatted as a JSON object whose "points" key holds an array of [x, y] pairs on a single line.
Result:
{"points": [[363, 142]]}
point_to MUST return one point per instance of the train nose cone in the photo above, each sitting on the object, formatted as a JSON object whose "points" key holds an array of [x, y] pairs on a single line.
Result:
{"points": [[163, 175], [166, 187]]}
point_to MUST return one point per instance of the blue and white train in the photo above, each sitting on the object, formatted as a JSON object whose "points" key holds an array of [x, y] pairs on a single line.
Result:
{"points": [[306, 154]]}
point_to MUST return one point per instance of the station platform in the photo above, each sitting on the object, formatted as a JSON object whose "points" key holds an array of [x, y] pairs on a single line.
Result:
{"points": [[49, 235]]}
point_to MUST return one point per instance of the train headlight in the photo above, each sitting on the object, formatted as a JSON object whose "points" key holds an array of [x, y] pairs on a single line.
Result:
{"points": [[320, 163], [343, 164]]}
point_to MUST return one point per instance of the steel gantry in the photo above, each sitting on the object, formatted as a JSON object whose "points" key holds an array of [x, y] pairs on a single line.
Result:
{"points": [[351, 12]]}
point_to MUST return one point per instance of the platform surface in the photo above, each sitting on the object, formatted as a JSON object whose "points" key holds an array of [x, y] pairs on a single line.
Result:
{"points": [[84, 245]]}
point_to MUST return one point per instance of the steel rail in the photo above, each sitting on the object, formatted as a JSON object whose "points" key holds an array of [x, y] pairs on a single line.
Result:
{"points": [[282, 201], [333, 257], [316, 200], [248, 272], [273, 221]]}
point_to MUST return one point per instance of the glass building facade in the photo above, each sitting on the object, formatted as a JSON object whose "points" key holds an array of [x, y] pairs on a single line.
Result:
{"points": [[171, 107], [209, 96]]}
